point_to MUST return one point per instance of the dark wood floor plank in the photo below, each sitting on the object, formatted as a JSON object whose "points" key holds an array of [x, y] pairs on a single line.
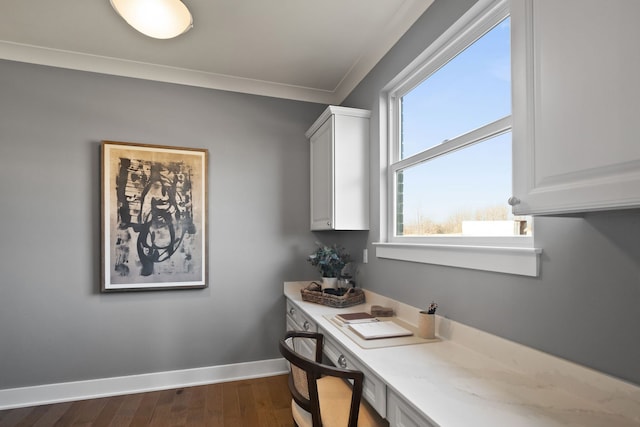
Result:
{"points": [[109, 411], [280, 396], [178, 414], [279, 391], [144, 412], [69, 416], [53, 414], [33, 416], [261, 402], [127, 410], [284, 417], [230, 404], [248, 407], [196, 407], [12, 417], [214, 405], [87, 412], [163, 408], [261, 394]]}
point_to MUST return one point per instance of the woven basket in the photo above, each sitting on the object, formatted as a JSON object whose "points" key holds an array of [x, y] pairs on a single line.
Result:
{"points": [[313, 293]]}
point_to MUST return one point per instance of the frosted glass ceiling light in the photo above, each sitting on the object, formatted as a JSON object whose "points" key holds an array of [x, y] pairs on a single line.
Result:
{"points": [[160, 19]]}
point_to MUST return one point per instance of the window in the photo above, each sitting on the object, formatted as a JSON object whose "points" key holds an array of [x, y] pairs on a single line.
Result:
{"points": [[449, 160]]}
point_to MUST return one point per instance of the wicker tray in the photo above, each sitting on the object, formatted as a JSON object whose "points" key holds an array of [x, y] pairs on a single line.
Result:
{"points": [[313, 293]]}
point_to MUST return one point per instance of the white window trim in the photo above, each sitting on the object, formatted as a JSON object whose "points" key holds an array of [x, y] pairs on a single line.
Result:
{"points": [[511, 255], [485, 132], [510, 260]]}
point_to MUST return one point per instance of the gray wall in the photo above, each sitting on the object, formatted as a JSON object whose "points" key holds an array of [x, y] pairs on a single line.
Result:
{"points": [[585, 306], [55, 326]]}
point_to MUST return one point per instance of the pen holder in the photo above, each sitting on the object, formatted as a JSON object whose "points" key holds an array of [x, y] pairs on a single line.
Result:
{"points": [[426, 325]]}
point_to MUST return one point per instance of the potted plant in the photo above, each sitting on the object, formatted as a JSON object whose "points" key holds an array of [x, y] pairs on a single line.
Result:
{"points": [[330, 261]]}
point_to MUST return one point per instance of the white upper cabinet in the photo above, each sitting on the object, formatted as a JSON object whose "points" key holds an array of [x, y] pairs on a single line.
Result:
{"points": [[340, 169], [576, 111]]}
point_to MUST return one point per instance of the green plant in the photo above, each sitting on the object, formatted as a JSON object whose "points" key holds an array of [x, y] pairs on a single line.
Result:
{"points": [[330, 260]]}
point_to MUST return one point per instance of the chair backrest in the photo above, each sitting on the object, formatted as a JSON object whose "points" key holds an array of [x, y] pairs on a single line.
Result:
{"points": [[305, 373]]}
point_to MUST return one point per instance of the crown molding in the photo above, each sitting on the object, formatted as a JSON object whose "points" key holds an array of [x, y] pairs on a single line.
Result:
{"points": [[141, 70], [395, 28], [386, 38]]}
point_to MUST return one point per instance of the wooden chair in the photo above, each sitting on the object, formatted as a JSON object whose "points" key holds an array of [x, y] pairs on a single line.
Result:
{"points": [[322, 397]]}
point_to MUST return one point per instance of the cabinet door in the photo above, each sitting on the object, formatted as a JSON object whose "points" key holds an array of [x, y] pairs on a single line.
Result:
{"points": [[350, 173], [373, 388], [400, 414], [576, 101], [322, 177]]}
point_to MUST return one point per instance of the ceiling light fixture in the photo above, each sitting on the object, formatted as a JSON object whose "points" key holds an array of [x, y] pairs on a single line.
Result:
{"points": [[160, 19]]}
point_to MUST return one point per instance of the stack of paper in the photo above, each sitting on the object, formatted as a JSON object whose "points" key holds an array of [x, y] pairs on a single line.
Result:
{"points": [[350, 318], [385, 329]]}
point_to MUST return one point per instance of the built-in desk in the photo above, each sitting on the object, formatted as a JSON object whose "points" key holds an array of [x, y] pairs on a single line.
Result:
{"points": [[469, 377]]}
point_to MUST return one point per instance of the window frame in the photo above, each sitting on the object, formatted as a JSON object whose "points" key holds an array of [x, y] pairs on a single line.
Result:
{"points": [[506, 254]]}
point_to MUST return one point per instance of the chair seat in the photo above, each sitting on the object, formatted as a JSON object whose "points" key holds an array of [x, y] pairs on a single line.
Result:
{"points": [[335, 398]]}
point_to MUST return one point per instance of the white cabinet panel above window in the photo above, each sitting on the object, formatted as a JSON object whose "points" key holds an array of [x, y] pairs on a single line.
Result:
{"points": [[576, 102]]}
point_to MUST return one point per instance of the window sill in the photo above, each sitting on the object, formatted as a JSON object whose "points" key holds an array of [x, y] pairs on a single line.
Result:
{"points": [[509, 260]]}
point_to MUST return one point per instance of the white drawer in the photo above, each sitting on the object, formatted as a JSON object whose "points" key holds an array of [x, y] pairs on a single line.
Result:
{"points": [[305, 346], [403, 415], [373, 389], [291, 325], [302, 321], [297, 320]]}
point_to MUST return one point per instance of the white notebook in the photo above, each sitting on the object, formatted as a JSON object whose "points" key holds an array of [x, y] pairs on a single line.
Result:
{"points": [[385, 329]]}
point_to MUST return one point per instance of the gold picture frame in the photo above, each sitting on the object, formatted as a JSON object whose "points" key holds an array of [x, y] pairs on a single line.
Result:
{"points": [[154, 217]]}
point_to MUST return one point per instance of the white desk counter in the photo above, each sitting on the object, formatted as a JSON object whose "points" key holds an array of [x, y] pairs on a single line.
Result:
{"points": [[472, 378]]}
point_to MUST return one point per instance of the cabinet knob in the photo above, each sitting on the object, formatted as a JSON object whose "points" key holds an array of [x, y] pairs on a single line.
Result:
{"points": [[329, 223], [342, 361], [306, 325], [292, 311], [513, 201]]}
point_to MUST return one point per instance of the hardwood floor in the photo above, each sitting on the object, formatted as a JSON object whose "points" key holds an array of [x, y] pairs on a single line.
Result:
{"points": [[261, 402]]}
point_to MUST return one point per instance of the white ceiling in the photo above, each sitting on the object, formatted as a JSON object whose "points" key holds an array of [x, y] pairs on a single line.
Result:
{"points": [[310, 50]]}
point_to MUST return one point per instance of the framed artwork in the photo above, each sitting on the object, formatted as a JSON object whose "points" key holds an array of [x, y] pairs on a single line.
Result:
{"points": [[154, 217]]}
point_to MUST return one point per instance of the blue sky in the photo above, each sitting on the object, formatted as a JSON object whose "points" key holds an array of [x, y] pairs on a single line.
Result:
{"points": [[473, 89]]}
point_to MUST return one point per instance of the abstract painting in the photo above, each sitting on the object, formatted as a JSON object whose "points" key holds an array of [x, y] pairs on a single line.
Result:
{"points": [[154, 217]]}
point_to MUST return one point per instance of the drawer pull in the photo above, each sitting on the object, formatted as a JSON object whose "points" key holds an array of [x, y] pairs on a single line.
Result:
{"points": [[342, 361], [513, 201], [292, 311], [306, 325]]}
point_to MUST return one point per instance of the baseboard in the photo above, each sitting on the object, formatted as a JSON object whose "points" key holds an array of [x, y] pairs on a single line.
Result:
{"points": [[103, 387]]}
